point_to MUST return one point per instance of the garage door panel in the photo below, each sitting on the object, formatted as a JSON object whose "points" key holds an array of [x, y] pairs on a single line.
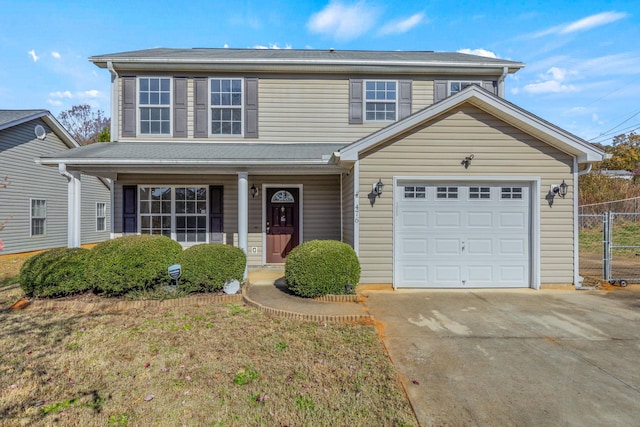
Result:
{"points": [[480, 220], [447, 219], [469, 236]]}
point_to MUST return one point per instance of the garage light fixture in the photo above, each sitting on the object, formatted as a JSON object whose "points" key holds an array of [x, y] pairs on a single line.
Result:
{"points": [[467, 161], [377, 188], [254, 191], [560, 190]]}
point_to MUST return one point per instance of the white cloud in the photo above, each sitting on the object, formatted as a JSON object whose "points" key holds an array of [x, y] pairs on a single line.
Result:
{"points": [[343, 22], [226, 46], [54, 102], [56, 55], [551, 82], [35, 57], [479, 52], [593, 21], [583, 24], [272, 46], [93, 93], [402, 26], [59, 94]]}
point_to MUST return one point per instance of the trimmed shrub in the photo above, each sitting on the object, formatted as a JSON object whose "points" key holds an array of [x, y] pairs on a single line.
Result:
{"points": [[322, 267], [55, 273], [131, 263], [207, 267]]}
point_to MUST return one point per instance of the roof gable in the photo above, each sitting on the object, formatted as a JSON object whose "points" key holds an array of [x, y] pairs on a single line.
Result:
{"points": [[492, 104], [11, 118]]}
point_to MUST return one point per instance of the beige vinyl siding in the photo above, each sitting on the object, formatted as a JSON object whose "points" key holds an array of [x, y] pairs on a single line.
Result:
{"points": [[437, 150], [347, 208], [320, 204], [18, 150], [295, 109]]}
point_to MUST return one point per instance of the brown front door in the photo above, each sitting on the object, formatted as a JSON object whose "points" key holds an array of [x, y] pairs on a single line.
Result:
{"points": [[282, 227]]}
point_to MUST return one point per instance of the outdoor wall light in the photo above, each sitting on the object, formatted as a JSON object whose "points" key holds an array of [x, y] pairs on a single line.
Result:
{"points": [[377, 188], [254, 191], [560, 190], [467, 161]]}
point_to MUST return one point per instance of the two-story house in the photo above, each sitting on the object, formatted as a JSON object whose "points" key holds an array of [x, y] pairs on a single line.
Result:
{"points": [[413, 158]]}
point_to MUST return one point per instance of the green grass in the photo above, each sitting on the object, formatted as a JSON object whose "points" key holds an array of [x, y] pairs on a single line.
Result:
{"points": [[210, 365], [624, 234]]}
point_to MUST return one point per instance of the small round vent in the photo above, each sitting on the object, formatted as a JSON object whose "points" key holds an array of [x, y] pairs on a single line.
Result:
{"points": [[40, 132]]}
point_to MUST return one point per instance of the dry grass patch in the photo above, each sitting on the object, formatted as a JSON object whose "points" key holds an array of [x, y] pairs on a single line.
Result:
{"points": [[215, 365]]}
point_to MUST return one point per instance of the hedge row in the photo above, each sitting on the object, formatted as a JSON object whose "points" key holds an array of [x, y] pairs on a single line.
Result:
{"points": [[132, 263]]}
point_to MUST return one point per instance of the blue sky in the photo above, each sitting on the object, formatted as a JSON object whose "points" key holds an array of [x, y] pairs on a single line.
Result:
{"points": [[582, 57]]}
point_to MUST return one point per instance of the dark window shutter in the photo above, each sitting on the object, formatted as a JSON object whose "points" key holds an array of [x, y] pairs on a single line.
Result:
{"points": [[180, 107], [201, 125], [491, 86], [216, 213], [251, 107], [355, 101], [129, 209], [439, 90], [404, 99], [128, 106]]}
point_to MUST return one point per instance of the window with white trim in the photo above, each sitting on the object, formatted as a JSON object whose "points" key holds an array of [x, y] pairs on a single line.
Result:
{"points": [[226, 100], [415, 192], [507, 193], [38, 217], [154, 102], [101, 216], [380, 98], [176, 212], [479, 192], [446, 192], [458, 86]]}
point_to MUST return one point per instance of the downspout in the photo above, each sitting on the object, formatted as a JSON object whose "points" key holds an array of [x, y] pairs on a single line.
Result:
{"points": [[115, 124], [505, 71]]}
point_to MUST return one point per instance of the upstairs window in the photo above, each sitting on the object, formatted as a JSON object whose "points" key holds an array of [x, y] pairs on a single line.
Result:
{"points": [[380, 100], [458, 86], [226, 106], [154, 100]]}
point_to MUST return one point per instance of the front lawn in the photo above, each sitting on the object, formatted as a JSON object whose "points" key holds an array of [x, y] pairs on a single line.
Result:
{"points": [[210, 365]]}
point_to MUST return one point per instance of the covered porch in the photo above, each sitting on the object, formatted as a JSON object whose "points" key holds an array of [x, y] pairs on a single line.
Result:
{"points": [[263, 198]]}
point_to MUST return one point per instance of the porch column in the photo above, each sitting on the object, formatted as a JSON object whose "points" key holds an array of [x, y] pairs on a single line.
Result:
{"points": [[73, 205], [243, 213]]}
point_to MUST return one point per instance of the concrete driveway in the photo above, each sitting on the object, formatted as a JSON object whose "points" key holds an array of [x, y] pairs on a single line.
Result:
{"points": [[515, 357]]}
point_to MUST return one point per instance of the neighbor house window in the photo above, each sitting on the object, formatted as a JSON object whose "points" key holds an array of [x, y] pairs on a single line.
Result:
{"points": [[38, 217], [455, 87], [155, 105], [380, 100], [176, 212], [101, 216], [226, 106]]}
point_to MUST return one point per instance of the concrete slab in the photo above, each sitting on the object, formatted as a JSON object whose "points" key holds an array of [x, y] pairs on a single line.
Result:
{"points": [[515, 357]]}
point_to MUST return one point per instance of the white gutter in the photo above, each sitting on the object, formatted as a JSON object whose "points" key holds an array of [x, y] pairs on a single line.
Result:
{"points": [[587, 170], [505, 71], [115, 124], [576, 236]]}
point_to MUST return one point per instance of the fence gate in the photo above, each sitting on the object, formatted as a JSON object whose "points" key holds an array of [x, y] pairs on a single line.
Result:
{"points": [[610, 246], [621, 247]]}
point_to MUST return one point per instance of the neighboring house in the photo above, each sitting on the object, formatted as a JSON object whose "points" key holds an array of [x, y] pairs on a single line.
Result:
{"points": [[614, 173], [265, 149], [37, 196]]}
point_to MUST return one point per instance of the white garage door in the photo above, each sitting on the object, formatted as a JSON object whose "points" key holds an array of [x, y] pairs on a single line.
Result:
{"points": [[462, 235]]}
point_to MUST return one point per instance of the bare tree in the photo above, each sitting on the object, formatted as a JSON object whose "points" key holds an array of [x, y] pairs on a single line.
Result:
{"points": [[84, 124]]}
